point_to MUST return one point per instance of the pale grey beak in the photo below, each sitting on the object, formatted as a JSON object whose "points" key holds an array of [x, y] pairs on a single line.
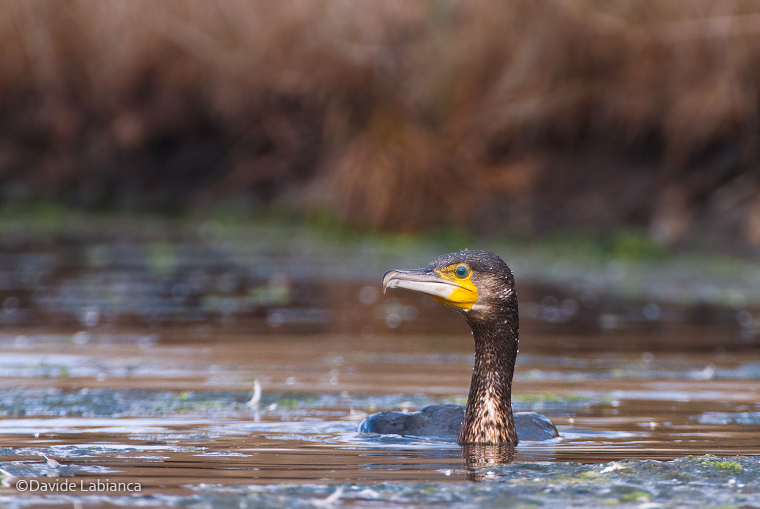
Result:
{"points": [[424, 280]]}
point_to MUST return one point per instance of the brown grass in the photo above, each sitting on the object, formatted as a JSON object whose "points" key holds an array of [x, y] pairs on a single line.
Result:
{"points": [[495, 115]]}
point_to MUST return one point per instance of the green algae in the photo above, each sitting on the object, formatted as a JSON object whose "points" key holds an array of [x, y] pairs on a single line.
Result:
{"points": [[636, 496]]}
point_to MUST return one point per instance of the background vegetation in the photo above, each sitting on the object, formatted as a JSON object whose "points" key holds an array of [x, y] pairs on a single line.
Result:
{"points": [[516, 117]]}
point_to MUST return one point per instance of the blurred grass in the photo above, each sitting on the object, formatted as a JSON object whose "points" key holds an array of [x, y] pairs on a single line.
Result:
{"points": [[498, 118], [625, 262], [278, 230]]}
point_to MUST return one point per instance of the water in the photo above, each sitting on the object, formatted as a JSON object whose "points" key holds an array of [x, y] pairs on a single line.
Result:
{"points": [[141, 407], [141, 369]]}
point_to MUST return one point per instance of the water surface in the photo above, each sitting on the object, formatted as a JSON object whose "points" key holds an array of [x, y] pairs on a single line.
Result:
{"points": [[137, 361]]}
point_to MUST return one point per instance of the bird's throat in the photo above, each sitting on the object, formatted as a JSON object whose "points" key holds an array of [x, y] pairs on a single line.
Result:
{"points": [[488, 415]]}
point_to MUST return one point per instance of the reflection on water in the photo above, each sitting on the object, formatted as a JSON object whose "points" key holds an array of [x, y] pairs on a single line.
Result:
{"points": [[175, 452], [478, 457], [174, 417], [138, 361]]}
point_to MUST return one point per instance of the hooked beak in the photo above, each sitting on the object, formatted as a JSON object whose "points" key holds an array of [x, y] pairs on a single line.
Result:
{"points": [[433, 283]]}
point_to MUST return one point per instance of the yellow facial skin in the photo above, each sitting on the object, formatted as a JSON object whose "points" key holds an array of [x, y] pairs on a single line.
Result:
{"points": [[451, 285], [464, 295]]}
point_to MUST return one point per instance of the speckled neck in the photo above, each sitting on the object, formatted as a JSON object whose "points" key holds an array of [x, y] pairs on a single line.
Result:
{"points": [[488, 416]]}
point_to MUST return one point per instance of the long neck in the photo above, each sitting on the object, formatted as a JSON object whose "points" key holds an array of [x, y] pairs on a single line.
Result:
{"points": [[488, 416]]}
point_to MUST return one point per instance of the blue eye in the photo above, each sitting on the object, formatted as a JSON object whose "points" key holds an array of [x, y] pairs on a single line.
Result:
{"points": [[462, 271]]}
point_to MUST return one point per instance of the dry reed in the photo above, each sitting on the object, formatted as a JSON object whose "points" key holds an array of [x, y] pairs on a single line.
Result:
{"points": [[402, 115]]}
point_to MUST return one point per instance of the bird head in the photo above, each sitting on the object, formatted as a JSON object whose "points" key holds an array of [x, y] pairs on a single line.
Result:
{"points": [[471, 282]]}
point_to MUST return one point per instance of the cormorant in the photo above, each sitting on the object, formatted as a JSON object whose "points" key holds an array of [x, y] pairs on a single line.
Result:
{"points": [[481, 286]]}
